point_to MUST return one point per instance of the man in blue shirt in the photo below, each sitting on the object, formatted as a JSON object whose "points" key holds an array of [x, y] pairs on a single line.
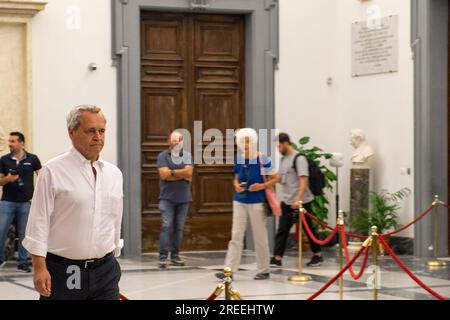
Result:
{"points": [[175, 172], [17, 178]]}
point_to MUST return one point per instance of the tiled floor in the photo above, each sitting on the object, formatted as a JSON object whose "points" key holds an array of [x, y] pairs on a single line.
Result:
{"points": [[141, 279]]}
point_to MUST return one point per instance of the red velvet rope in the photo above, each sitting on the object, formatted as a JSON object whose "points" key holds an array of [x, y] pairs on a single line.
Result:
{"points": [[122, 297], [323, 224], [352, 235], [347, 256], [212, 297], [330, 228], [401, 265], [311, 235], [411, 223], [340, 273]]}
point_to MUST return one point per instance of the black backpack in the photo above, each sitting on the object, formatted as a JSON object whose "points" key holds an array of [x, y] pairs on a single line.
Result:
{"points": [[316, 176]]}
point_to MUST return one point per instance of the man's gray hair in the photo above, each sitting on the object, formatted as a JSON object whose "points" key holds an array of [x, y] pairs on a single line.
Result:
{"points": [[73, 118]]}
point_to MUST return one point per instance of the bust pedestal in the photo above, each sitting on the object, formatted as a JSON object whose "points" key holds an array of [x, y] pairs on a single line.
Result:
{"points": [[359, 190]]}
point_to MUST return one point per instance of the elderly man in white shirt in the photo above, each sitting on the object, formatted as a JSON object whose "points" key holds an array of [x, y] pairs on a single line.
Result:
{"points": [[73, 231]]}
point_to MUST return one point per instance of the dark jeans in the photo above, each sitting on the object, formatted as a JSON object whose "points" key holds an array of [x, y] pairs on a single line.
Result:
{"points": [[173, 216], [287, 220], [9, 211], [98, 282]]}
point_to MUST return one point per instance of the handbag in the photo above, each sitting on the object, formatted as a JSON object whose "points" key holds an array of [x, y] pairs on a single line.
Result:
{"points": [[271, 204]]}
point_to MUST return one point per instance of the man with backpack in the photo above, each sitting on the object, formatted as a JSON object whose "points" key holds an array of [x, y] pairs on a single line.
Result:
{"points": [[298, 176]]}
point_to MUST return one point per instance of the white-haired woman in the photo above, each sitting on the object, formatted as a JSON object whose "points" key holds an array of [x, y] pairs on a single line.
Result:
{"points": [[248, 204]]}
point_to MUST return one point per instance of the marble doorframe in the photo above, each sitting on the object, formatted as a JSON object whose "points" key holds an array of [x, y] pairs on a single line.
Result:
{"points": [[429, 42], [21, 13], [262, 56]]}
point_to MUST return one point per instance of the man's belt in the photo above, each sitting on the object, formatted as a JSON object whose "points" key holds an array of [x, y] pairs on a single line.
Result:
{"points": [[85, 264]]}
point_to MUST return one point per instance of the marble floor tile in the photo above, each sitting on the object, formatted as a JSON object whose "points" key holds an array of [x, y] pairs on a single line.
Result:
{"points": [[143, 280]]}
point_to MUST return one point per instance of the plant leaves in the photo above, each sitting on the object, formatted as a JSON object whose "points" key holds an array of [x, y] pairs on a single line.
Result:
{"points": [[330, 175], [304, 140]]}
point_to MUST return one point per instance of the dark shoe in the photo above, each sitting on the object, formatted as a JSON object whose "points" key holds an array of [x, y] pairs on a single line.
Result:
{"points": [[162, 263], [177, 262], [262, 276], [275, 263], [220, 275], [2, 263], [24, 268], [315, 261]]}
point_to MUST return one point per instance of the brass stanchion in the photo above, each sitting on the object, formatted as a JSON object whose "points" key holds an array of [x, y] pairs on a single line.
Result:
{"points": [[340, 222], [235, 294], [219, 289], [374, 243], [435, 262], [227, 282], [300, 277], [230, 293]]}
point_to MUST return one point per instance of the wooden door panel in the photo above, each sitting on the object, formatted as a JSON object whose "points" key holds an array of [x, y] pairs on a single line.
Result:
{"points": [[218, 39], [151, 225], [217, 74], [214, 190], [163, 73], [161, 113], [163, 36], [217, 237], [217, 109], [192, 69], [150, 192]]}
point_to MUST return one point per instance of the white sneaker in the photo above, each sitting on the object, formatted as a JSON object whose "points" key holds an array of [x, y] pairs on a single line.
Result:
{"points": [[2, 264]]}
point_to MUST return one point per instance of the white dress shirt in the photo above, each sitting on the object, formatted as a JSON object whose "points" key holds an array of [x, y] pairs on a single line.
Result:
{"points": [[74, 215]]}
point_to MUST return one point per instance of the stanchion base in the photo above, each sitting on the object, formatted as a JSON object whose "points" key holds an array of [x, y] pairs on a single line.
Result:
{"points": [[435, 263], [299, 278]]}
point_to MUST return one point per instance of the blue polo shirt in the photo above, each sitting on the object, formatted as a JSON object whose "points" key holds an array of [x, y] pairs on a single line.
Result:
{"points": [[175, 191], [249, 170]]}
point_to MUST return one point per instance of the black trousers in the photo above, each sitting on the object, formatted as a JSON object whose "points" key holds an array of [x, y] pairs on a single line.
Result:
{"points": [[69, 281], [287, 220]]}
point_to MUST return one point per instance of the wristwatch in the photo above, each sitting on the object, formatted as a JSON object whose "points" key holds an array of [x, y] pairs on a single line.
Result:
{"points": [[172, 173]]}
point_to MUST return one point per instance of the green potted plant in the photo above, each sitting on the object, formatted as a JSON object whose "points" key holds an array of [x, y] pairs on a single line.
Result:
{"points": [[382, 212], [320, 203]]}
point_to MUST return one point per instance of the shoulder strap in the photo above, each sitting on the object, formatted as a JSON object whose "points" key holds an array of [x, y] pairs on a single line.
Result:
{"points": [[263, 170], [294, 164]]}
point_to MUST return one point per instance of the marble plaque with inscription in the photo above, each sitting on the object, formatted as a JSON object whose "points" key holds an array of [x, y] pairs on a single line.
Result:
{"points": [[375, 46]]}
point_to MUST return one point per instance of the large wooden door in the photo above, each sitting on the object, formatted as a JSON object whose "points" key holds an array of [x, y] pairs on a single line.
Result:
{"points": [[192, 70]]}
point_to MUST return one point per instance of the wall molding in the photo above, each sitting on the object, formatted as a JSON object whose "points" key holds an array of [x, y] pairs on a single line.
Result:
{"points": [[21, 7]]}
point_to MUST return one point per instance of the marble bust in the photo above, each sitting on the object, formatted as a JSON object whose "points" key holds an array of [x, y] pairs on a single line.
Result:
{"points": [[363, 152]]}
